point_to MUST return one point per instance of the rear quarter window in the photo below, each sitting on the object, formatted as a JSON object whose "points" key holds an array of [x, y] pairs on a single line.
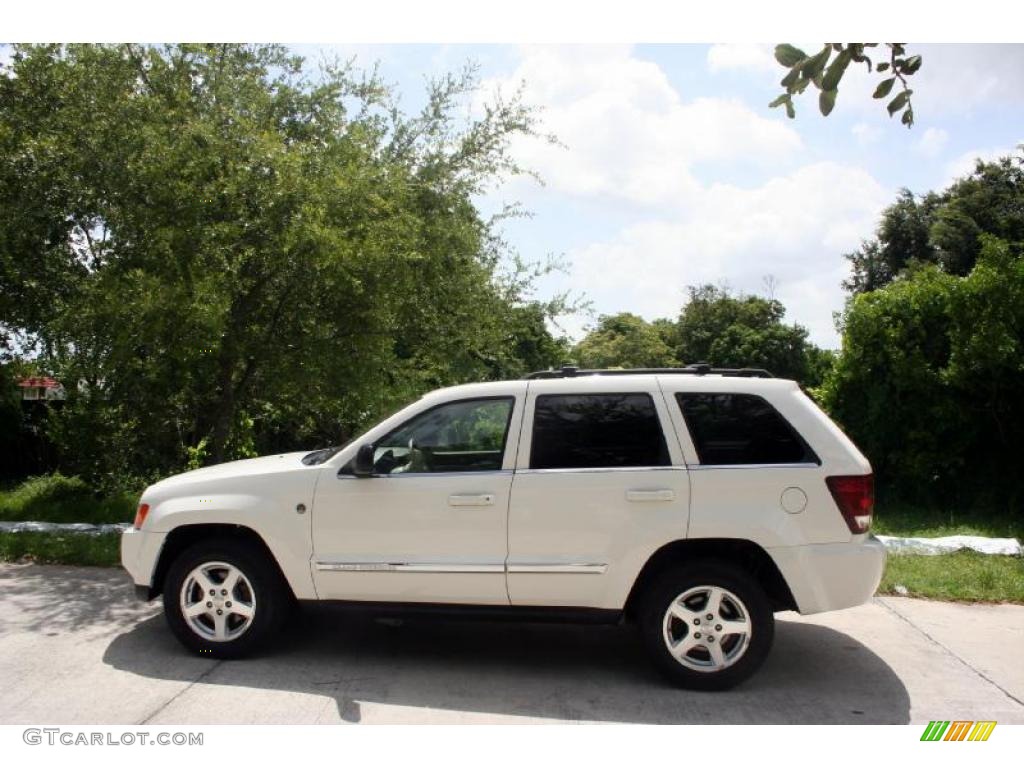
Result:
{"points": [[736, 429]]}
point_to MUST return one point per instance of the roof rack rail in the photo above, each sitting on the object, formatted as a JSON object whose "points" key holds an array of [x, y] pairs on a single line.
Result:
{"points": [[695, 369]]}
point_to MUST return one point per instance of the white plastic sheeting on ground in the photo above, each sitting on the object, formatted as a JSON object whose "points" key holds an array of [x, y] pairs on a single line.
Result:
{"points": [[85, 528], [919, 545]]}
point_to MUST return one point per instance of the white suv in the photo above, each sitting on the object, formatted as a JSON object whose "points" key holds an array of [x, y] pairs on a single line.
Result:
{"points": [[694, 502]]}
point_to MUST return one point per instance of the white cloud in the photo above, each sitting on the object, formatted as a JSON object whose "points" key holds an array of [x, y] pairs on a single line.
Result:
{"points": [[633, 138], [964, 164], [745, 57], [953, 79], [932, 142], [794, 227], [629, 135], [866, 134]]}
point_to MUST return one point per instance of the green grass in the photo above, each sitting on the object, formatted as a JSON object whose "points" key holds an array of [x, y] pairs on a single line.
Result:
{"points": [[895, 519], [966, 576], [63, 548], [59, 499]]}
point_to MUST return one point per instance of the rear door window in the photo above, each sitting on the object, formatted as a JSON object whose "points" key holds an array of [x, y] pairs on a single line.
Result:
{"points": [[597, 431], [729, 429]]}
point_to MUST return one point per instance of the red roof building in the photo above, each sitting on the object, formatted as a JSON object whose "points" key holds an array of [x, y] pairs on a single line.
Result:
{"points": [[41, 388]]}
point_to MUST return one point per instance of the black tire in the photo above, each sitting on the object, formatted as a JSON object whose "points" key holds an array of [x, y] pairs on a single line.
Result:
{"points": [[677, 581], [269, 594]]}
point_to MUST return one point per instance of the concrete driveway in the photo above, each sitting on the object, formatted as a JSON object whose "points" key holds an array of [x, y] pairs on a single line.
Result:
{"points": [[76, 647]]}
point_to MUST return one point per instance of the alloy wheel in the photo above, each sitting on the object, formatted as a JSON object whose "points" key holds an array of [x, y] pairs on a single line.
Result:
{"points": [[707, 628], [217, 601]]}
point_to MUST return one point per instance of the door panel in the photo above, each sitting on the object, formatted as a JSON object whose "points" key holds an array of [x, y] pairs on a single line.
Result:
{"points": [[576, 538], [404, 539], [431, 525], [578, 535]]}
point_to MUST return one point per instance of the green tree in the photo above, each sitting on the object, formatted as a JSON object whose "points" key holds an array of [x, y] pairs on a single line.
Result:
{"points": [[737, 331], [625, 340], [885, 387], [928, 382], [901, 238], [943, 228], [229, 254], [989, 201], [530, 345]]}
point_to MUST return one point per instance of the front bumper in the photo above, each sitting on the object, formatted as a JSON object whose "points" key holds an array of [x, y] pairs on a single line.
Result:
{"points": [[140, 550], [828, 577]]}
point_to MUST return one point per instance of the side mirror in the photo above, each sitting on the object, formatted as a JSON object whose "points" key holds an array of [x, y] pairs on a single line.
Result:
{"points": [[362, 464]]}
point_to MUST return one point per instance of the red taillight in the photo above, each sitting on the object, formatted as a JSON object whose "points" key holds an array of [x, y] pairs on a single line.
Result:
{"points": [[855, 497], [140, 516]]}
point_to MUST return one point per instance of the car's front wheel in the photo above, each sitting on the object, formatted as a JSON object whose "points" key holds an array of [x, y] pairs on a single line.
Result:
{"points": [[708, 625], [224, 599]]}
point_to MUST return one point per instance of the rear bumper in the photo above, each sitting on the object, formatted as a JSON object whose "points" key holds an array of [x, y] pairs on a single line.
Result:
{"points": [[828, 577], [140, 551]]}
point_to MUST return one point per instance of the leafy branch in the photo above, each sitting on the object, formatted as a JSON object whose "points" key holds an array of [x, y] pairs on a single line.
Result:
{"points": [[825, 70]]}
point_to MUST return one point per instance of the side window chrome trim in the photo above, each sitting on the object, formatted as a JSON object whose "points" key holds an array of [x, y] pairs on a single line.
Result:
{"points": [[591, 470], [791, 465], [464, 473]]}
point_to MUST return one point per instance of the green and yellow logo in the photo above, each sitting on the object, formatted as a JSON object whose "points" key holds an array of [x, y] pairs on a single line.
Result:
{"points": [[958, 730]]}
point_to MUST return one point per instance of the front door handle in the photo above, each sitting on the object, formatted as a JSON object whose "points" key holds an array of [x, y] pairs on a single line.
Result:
{"points": [[656, 494], [471, 500]]}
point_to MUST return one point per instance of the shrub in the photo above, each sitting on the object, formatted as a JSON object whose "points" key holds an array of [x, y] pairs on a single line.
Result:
{"points": [[57, 498]]}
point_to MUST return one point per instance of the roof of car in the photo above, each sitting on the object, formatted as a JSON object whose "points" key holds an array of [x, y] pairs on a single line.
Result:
{"points": [[584, 380], [697, 369]]}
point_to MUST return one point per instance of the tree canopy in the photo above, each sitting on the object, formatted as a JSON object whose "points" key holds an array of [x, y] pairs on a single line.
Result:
{"points": [[740, 331], [714, 326], [626, 340], [225, 254], [929, 379], [944, 228]]}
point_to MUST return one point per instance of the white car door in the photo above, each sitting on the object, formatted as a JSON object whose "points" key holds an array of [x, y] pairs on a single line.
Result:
{"points": [[431, 524], [600, 485]]}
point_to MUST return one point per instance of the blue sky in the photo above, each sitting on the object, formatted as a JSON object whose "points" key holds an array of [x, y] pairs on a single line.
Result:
{"points": [[675, 171]]}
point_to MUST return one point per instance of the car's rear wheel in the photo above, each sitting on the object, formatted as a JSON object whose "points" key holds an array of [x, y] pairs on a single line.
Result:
{"points": [[708, 625], [224, 599]]}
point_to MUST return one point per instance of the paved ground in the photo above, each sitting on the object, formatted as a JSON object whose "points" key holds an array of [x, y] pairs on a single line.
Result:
{"points": [[75, 647]]}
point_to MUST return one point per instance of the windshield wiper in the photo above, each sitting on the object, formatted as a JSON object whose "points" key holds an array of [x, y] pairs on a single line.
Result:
{"points": [[320, 456]]}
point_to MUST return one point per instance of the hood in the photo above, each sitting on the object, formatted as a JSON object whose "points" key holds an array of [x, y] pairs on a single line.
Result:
{"points": [[243, 468]]}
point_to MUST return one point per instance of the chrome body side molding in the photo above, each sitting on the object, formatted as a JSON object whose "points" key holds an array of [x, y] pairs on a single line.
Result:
{"points": [[327, 565]]}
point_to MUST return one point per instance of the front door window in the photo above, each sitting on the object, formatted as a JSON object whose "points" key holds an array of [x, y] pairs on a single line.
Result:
{"points": [[462, 436]]}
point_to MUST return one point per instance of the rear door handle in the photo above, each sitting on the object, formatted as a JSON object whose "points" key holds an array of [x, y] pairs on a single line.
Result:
{"points": [[656, 494], [471, 500]]}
